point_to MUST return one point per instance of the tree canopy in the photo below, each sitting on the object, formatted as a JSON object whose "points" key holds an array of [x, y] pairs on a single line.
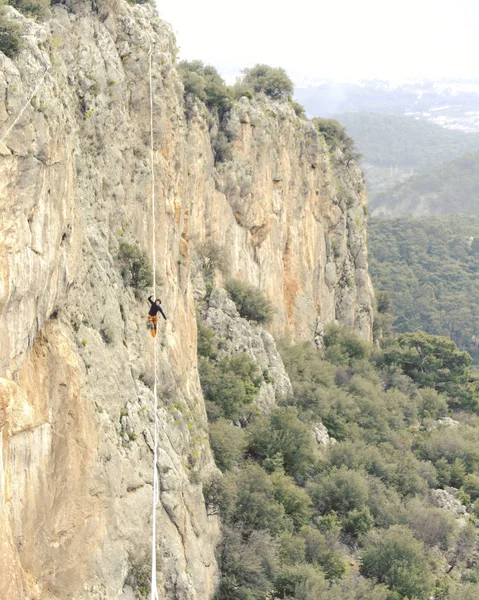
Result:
{"points": [[429, 269], [274, 82]]}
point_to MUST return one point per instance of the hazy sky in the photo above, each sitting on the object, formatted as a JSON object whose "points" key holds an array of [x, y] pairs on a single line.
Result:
{"points": [[313, 39]]}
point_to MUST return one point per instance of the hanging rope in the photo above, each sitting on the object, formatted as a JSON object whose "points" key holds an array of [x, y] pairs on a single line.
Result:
{"points": [[156, 494], [19, 116]]}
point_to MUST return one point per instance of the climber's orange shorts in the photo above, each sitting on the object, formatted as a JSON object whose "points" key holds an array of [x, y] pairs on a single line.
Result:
{"points": [[153, 324]]}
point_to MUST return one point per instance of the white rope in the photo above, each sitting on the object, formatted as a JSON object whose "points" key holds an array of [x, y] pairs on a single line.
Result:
{"points": [[19, 116], [156, 495]]}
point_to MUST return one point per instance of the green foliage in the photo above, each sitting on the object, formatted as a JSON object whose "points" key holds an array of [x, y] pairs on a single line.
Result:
{"points": [[31, 8], [336, 138], [274, 82], [247, 564], [138, 576], [204, 82], [248, 499], [471, 486], [230, 384], [395, 558], [250, 301], [343, 346], [10, 40], [282, 440], [136, 268], [228, 444], [429, 268], [366, 496], [206, 342], [358, 521], [341, 491], [298, 108], [431, 360]]}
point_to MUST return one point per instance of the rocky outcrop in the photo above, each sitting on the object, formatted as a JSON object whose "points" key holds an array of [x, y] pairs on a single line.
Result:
{"points": [[322, 437], [444, 499], [75, 358], [239, 336]]}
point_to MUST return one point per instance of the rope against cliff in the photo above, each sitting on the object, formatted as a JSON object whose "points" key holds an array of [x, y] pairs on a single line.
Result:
{"points": [[19, 116], [156, 495]]}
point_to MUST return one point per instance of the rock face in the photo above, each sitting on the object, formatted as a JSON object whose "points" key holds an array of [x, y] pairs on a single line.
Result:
{"points": [[75, 358]]}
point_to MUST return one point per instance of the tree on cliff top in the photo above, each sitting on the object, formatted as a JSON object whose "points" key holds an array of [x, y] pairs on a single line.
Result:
{"points": [[204, 82], [274, 82]]}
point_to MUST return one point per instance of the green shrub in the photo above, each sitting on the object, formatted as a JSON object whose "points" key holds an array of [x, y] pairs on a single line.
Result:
{"points": [[343, 345], [228, 444], [231, 384], [336, 138], [247, 563], [358, 522], [431, 525], [247, 498], [10, 40], [295, 500], [250, 301], [212, 257], [322, 549], [341, 491], [298, 109], [395, 558], [31, 8], [433, 405], [301, 582], [207, 345], [282, 440], [204, 82], [471, 486], [136, 267], [292, 548], [221, 147], [274, 82]]}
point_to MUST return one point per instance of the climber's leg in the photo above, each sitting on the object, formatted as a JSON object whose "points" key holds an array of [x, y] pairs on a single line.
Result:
{"points": [[154, 324]]}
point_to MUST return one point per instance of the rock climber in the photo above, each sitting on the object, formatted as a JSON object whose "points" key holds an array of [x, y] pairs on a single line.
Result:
{"points": [[155, 308]]}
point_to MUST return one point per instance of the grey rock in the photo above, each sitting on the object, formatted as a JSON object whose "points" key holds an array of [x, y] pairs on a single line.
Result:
{"points": [[444, 499]]}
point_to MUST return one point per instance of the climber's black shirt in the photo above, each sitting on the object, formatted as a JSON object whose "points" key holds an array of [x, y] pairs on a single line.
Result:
{"points": [[154, 309]]}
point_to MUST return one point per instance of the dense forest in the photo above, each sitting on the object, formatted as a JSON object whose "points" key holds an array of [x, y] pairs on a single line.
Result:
{"points": [[361, 516], [430, 267], [448, 189]]}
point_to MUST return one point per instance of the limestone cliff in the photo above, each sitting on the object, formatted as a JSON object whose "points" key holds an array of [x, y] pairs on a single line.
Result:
{"points": [[75, 358]]}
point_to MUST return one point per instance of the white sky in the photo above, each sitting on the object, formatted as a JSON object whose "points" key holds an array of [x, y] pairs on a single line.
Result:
{"points": [[315, 39]]}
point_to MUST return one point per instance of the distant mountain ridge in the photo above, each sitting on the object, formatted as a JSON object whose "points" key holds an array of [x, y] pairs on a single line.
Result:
{"points": [[394, 147], [453, 104]]}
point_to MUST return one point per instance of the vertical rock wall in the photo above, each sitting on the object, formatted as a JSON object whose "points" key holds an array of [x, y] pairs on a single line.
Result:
{"points": [[75, 358]]}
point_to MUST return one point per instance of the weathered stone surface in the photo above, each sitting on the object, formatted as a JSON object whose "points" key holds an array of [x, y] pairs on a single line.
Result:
{"points": [[76, 406], [444, 422], [322, 437], [445, 499]]}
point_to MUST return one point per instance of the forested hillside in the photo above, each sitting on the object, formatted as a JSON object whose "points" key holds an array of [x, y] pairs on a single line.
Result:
{"points": [[356, 486], [390, 140], [430, 269], [448, 189], [394, 146]]}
